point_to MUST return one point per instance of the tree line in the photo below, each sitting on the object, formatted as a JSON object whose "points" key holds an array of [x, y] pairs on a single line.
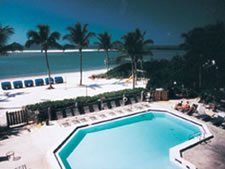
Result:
{"points": [[201, 67], [131, 45]]}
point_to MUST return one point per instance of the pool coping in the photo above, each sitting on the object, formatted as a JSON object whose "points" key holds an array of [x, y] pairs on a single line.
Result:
{"points": [[175, 153]]}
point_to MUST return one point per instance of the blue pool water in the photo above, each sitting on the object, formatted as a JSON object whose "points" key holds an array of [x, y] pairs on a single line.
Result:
{"points": [[139, 142]]}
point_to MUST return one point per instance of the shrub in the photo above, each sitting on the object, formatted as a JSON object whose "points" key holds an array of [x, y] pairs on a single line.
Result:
{"points": [[62, 104]]}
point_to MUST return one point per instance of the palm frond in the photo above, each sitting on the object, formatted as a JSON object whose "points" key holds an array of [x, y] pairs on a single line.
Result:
{"points": [[85, 29], [5, 33], [32, 35], [85, 41], [71, 29], [31, 42], [68, 37], [55, 35]]}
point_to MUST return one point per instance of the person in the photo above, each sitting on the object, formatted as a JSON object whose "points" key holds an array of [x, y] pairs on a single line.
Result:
{"points": [[192, 109], [93, 77], [186, 107], [179, 105]]}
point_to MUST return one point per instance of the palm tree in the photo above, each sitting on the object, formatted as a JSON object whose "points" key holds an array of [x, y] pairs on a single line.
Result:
{"points": [[106, 44], [133, 45], [46, 39], [142, 50], [5, 33], [78, 37], [128, 47]]}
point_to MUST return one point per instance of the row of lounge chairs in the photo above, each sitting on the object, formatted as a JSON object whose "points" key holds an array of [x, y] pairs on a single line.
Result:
{"points": [[109, 113], [213, 118], [207, 116], [30, 83], [93, 107]]}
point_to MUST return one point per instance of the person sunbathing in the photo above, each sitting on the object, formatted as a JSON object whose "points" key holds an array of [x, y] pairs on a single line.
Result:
{"points": [[186, 107], [191, 110], [179, 105]]}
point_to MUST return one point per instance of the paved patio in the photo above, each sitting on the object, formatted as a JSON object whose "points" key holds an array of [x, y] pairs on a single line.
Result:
{"points": [[210, 154], [31, 143]]}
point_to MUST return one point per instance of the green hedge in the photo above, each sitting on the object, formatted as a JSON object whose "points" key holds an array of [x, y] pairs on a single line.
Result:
{"points": [[54, 105]]}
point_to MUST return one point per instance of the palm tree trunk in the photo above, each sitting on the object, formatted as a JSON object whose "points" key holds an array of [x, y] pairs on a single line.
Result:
{"points": [[133, 73], [107, 60], [80, 52], [200, 78], [141, 63], [48, 68]]}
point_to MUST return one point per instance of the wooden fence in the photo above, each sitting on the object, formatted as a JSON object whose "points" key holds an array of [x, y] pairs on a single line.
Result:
{"points": [[16, 118], [160, 95]]}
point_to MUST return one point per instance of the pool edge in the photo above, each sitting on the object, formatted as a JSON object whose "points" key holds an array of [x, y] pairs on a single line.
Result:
{"points": [[174, 152]]}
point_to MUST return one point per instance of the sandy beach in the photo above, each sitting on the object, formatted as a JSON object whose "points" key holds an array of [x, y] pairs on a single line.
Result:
{"points": [[14, 99]]}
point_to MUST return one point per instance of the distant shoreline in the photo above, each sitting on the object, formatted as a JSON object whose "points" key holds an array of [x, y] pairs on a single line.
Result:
{"points": [[59, 51]]}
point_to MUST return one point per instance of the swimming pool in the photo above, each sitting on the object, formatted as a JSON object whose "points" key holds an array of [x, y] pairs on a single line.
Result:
{"points": [[140, 141]]}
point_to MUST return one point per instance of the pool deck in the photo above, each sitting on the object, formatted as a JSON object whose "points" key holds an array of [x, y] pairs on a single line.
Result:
{"points": [[32, 142]]}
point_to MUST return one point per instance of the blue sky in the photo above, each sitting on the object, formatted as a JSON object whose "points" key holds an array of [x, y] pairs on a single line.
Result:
{"points": [[163, 20]]}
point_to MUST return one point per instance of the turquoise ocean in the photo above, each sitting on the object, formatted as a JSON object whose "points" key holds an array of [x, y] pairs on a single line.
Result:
{"points": [[16, 65]]}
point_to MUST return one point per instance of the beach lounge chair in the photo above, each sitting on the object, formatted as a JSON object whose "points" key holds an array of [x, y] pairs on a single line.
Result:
{"points": [[205, 117], [59, 115], [47, 80], [86, 109], [113, 104], [133, 100], [28, 83], [117, 103], [6, 85], [18, 84], [109, 105], [217, 121], [95, 107], [39, 82], [192, 110], [104, 105], [58, 79]]}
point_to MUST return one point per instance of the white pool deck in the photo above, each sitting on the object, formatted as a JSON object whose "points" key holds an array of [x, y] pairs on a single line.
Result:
{"points": [[34, 146]]}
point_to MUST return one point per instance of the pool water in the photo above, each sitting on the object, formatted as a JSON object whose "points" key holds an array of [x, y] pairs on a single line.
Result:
{"points": [[137, 142]]}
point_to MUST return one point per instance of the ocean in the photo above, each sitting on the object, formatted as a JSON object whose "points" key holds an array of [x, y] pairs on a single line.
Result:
{"points": [[29, 64]]}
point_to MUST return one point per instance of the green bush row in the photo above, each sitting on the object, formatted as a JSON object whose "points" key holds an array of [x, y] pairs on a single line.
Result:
{"points": [[80, 100]]}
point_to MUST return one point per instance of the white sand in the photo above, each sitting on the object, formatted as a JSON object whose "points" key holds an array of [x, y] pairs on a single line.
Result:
{"points": [[11, 100]]}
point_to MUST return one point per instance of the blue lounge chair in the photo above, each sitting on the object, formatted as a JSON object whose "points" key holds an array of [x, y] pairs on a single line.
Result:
{"points": [[6, 85], [58, 79], [39, 82], [218, 121], [205, 117], [28, 83], [47, 80], [18, 84]]}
